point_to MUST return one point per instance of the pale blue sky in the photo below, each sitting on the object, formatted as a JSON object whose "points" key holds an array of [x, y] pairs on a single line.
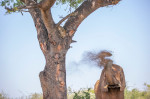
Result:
{"points": [[123, 29]]}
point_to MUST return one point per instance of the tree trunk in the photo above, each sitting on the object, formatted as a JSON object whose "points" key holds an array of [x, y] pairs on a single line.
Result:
{"points": [[53, 77]]}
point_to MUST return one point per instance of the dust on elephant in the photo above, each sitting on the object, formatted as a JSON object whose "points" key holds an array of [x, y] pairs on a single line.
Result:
{"points": [[111, 84]]}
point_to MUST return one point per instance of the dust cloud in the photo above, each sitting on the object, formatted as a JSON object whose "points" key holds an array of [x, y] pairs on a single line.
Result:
{"points": [[97, 58]]}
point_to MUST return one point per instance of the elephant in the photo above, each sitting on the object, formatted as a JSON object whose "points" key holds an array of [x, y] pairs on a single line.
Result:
{"points": [[111, 84]]}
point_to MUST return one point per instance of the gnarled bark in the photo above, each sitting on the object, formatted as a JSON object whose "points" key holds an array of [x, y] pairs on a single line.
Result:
{"points": [[53, 78]]}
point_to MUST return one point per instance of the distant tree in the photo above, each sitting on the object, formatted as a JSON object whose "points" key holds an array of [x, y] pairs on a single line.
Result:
{"points": [[55, 40], [3, 96]]}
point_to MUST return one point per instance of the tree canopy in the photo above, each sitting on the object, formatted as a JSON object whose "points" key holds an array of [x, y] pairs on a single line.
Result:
{"points": [[19, 5]]}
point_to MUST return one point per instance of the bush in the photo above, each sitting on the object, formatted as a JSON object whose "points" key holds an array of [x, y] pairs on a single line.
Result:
{"points": [[89, 94], [137, 94], [82, 94]]}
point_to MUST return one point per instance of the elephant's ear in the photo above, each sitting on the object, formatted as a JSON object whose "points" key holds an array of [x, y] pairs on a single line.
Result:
{"points": [[123, 84], [97, 87]]}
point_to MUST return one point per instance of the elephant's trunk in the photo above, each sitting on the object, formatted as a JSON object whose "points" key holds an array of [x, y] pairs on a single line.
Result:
{"points": [[109, 74]]}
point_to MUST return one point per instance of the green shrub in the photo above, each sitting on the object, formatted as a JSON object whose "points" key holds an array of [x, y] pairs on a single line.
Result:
{"points": [[137, 94], [82, 94], [89, 94]]}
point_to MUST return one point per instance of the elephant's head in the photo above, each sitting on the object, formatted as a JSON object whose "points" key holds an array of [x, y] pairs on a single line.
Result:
{"points": [[111, 76]]}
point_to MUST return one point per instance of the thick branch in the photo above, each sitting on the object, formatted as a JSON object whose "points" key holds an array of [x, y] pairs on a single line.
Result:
{"points": [[30, 6], [86, 8], [41, 29], [48, 20], [46, 4], [45, 14]]}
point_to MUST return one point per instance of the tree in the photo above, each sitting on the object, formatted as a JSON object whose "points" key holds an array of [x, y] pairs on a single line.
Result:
{"points": [[55, 40]]}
